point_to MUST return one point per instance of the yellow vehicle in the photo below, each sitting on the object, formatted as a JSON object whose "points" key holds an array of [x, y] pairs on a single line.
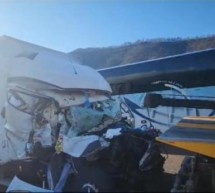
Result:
{"points": [[196, 135]]}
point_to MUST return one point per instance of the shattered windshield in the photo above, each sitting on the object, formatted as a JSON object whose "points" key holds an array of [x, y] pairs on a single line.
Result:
{"points": [[26, 102], [94, 118]]}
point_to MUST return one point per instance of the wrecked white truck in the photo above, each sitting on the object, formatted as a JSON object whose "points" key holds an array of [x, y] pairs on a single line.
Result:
{"points": [[62, 131]]}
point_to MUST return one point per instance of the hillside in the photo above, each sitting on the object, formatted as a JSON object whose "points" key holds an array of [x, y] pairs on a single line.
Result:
{"points": [[140, 50]]}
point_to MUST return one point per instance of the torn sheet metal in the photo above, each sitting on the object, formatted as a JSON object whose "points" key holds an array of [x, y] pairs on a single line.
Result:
{"points": [[68, 98], [17, 130], [33, 118]]}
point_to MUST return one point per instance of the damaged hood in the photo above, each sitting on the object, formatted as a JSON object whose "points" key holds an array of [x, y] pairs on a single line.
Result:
{"points": [[48, 66]]}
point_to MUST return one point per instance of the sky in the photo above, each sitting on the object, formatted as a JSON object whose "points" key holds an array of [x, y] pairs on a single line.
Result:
{"points": [[66, 25]]}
